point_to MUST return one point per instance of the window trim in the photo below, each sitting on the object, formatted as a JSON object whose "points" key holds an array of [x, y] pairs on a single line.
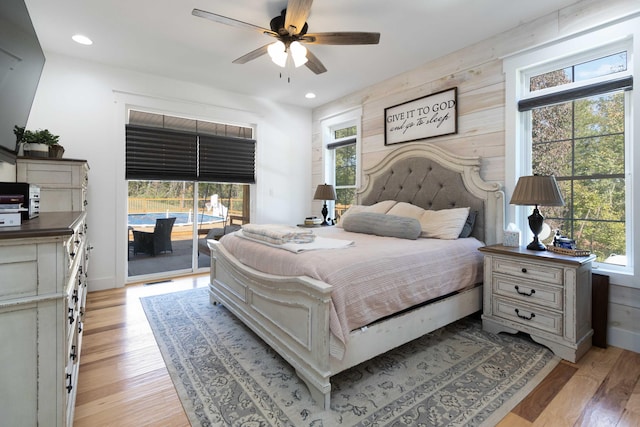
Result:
{"points": [[622, 35]]}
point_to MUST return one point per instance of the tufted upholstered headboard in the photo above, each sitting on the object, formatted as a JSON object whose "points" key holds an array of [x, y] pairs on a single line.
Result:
{"points": [[431, 178]]}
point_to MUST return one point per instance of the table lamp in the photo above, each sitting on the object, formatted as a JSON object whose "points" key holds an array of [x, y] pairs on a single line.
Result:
{"points": [[325, 192], [533, 191]]}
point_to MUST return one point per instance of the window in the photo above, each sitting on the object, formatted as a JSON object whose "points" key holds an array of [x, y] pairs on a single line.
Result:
{"points": [[574, 118], [581, 143], [342, 153]]}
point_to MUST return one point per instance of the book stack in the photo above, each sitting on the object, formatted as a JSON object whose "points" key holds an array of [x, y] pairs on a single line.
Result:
{"points": [[312, 220], [11, 209]]}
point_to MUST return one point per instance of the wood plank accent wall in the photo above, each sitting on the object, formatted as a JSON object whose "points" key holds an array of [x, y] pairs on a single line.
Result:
{"points": [[477, 72]]}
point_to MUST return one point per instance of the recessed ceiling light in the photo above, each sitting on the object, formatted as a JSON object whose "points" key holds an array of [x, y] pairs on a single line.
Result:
{"points": [[79, 38], [310, 95]]}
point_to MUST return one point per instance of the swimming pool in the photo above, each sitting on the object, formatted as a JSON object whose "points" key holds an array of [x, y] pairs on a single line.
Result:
{"points": [[182, 218]]}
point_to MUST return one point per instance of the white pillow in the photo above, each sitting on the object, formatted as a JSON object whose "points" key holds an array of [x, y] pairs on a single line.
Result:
{"points": [[406, 210], [443, 224], [380, 207]]}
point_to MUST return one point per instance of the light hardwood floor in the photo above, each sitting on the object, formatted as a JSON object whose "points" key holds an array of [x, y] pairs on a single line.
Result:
{"points": [[124, 382]]}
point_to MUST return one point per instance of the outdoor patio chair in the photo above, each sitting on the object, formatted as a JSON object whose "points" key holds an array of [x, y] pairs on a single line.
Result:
{"points": [[218, 232], [156, 242]]}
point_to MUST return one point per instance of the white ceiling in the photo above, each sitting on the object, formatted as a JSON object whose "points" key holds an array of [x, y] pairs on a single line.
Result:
{"points": [[163, 38]]}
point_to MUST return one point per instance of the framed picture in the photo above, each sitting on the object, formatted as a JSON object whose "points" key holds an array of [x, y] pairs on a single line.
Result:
{"points": [[426, 117]]}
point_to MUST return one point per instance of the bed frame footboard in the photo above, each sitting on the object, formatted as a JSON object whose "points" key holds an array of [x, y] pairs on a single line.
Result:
{"points": [[291, 314]]}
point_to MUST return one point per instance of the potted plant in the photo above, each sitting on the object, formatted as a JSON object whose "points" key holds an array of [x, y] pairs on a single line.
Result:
{"points": [[38, 143]]}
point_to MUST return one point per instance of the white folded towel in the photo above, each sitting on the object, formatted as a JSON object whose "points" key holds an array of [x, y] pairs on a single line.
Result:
{"points": [[278, 234]]}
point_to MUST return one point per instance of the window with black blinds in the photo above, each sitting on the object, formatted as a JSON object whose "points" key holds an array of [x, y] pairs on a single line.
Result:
{"points": [[161, 153]]}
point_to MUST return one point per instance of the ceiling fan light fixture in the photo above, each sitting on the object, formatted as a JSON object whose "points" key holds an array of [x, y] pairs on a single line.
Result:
{"points": [[298, 53], [278, 53]]}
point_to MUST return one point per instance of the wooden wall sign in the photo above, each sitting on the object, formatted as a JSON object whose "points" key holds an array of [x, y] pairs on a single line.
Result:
{"points": [[426, 117]]}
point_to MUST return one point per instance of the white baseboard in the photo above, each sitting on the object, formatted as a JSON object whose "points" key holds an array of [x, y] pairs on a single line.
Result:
{"points": [[623, 338], [102, 284]]}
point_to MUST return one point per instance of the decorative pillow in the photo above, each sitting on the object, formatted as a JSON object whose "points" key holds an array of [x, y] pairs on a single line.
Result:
{"points": [[381, 224], [380, 207], [468, 225], [444, 224], [407, 210]]}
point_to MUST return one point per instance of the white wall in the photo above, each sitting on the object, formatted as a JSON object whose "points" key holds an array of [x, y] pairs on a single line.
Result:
{"points": [[7, 172], [85, 103]]}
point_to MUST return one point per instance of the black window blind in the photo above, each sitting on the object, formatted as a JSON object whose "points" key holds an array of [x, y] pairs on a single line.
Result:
{"points": [[166, 154], [227, 159], [163, 154], [624, 83]]}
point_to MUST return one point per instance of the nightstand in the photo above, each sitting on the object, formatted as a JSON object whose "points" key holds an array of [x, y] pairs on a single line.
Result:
{"points": [[542, 293]]}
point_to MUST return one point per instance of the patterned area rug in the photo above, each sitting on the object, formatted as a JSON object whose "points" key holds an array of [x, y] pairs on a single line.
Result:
{"points": [[226, 376]]}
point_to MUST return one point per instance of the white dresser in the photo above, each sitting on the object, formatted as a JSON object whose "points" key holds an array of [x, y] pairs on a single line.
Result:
{"points": [[62, 182], [544, 294], [43, 284]]}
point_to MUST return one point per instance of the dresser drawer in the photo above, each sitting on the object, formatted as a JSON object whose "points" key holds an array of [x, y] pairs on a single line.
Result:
{"points": [[528, 315], [527, 270], [528, 291]]}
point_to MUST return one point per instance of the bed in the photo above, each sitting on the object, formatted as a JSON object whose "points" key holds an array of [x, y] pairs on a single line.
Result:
{"points": [[295, 314]]}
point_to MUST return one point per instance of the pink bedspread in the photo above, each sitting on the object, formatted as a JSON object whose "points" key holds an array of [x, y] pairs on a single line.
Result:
{"points": [[374, 278]]}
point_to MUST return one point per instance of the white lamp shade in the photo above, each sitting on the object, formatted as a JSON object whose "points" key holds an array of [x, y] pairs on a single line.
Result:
{"points": [[278, 53], [298, 53]]}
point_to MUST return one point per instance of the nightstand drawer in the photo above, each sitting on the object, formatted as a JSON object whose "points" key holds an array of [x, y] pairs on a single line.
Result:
{"points": [[537, 272], [528, 315], [528, 291]]}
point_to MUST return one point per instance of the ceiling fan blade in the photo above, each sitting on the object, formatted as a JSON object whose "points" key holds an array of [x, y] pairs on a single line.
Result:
{"points": [[297, 14], [314, 64], [252, 55], [343, 38], [230, 21]]}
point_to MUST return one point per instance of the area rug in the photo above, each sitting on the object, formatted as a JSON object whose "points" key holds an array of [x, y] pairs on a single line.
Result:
{"points": [[226, 375]]}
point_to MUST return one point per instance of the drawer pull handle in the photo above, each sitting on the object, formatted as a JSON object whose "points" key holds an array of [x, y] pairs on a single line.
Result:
{"points": [[524, 270], [73, 354], [69, 386], [525, 317], [71, 317], [533, 291]]}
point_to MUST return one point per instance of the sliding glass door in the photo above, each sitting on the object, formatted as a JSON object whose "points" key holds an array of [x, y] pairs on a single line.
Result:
{"points": [[179, 173]]}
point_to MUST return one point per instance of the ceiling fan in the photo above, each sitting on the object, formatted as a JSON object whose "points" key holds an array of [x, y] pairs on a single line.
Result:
{"points": [[290, 30]]}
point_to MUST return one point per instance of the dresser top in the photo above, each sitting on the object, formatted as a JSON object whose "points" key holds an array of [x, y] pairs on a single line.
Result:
{"points": [[49, 159], [523, 252], [48, 224]]}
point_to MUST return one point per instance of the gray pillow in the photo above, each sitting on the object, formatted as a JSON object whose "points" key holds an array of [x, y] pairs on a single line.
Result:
{"points": [[383, 225], [468, 225]]}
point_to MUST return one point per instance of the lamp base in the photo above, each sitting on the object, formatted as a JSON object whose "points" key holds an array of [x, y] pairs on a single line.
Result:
{"points": [[535, 224], [325, 212], [536, 245]]}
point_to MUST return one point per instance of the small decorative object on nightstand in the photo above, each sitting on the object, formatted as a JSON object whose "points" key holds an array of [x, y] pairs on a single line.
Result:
{"points": [[544, 294]]}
